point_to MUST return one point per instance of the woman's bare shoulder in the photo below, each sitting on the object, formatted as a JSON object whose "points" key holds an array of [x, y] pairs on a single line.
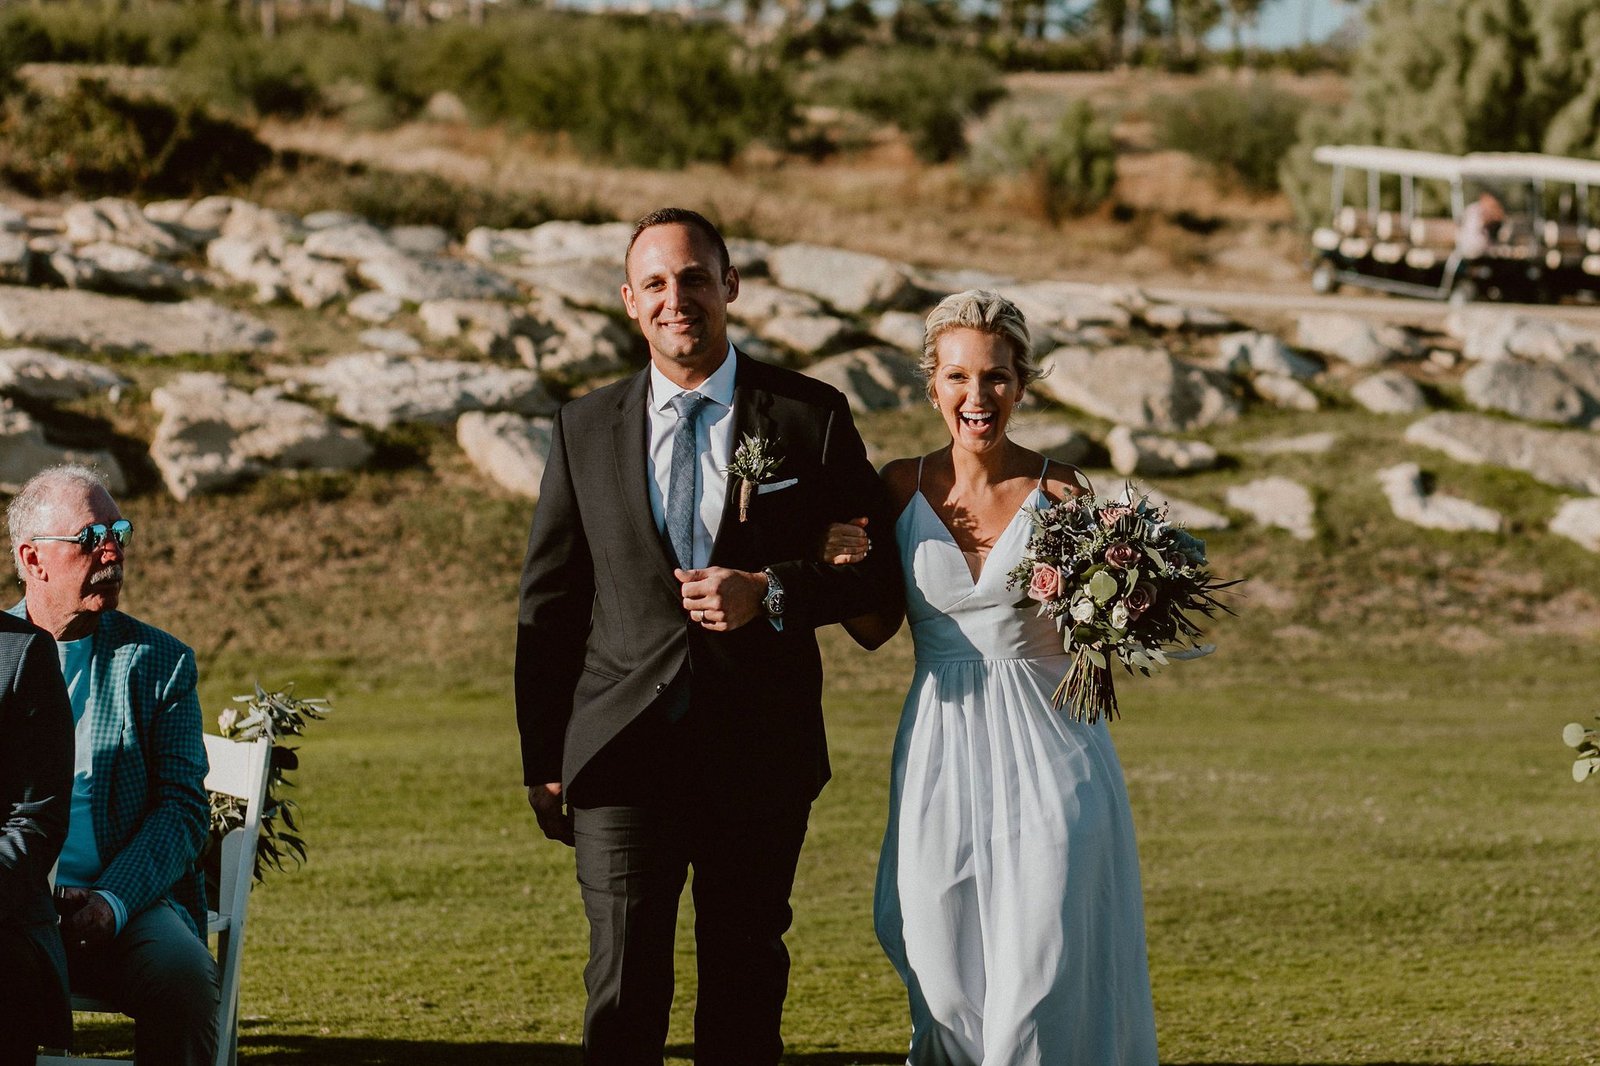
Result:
{"points": [[1063, 479]]}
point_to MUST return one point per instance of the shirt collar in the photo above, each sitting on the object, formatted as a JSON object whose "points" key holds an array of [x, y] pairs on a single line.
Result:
{"points": [[718, 387]]}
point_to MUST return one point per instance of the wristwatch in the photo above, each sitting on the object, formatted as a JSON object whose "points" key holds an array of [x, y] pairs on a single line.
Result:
{"points": [[773, 602]]}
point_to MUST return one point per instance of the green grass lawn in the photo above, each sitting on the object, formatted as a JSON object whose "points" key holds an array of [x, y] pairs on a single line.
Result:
{"points": [[1359, 838]]}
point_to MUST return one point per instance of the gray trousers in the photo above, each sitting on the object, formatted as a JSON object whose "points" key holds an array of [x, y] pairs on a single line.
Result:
{"points": [[161, 975]]}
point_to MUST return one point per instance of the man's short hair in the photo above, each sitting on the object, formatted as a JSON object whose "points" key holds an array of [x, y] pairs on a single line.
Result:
{"points": [[25, 513], [681, 216]]}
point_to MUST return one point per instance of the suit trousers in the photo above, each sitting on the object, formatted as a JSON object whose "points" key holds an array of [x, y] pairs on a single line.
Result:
{"points": [[163, 976], [632, 864], [32, 1011]]}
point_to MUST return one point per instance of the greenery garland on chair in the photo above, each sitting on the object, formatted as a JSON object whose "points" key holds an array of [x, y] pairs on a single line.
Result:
{"points": [[277, 714]]}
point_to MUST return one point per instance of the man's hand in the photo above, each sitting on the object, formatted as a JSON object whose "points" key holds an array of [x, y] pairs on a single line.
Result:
{"points": [[846, 542], [720, 599], [88, 920], [551, 812]]}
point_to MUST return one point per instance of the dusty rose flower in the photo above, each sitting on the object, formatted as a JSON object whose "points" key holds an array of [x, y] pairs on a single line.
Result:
{"points": [[1121, 555], [1109, 516], [1140, 600], [1045, 585]]}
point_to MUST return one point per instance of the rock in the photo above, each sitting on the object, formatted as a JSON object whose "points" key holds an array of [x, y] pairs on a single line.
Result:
{"points": [[1264, 353], [375, 307], [76, 319], [1490, 334], [240, 218], [113, 221], [1050, 438], [1304, 444], [16, 259], [597, 286], [41, 375], [555, 243], [192, 222], [317, 221], [351, 242], [1143, 387], [393, 341], [1067, 305], [1285, 392], [1355, 340], [313, 282], [1180, 318], [1389, 392], [760, 301], [446, 106], [24, 452], [509, 449], [1411, 502], [852, 282], [1567, 459], [574, 344], [872, 379], [1538, 392], [12, 220], [213, 436], [902, 329], [749, 257], [381, 390], [1579, 520], [487, 325], [420, 240], [806, 334], [745, 339], [1134, 452], [118, 268], [1278, 502], [417, 279]]}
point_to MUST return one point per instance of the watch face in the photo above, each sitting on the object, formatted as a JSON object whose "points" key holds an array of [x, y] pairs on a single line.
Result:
{"points": [[774, 602]]}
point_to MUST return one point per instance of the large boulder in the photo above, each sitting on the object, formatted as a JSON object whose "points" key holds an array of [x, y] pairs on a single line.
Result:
{"points": [[213, 436], [597, 286], [1068, 305], [1144, 388], [1186, 318], [509, 449], [872, 379], [113, 221], [118, 268], [807, 334], [1538, 392], [1490, 334], [1389, 392], [1283, 391], [759, 301], [1278, 502], [852, 282], [1411, 501], [487, 325], [1252, 352], [24, 452], [351, 242], [1354, 340], [1319, 443], [572, 343], [16, 259], [41, 375], [1136, 452], [555, 243], [1051, 438], [1579, 520], [381, 390], [902, 329], [417, 279], [1567, 459], [76, 319]]}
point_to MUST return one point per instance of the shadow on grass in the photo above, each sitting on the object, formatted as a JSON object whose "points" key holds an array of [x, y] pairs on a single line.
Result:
{"points": [[364, 1051]]}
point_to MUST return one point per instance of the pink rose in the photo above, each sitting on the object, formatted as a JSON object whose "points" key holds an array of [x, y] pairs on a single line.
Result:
{"points": [[1045, 585], [1109, 516], [1140, 600], [1121, 555]]}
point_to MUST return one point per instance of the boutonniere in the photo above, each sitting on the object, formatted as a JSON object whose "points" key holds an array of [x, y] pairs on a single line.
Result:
{"points": [[753, 461]]}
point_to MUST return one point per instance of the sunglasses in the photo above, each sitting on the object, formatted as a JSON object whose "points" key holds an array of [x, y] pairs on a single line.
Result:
{"points": [[91, 536]]}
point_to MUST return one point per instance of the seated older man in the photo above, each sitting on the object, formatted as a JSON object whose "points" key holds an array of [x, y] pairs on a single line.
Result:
{"points": [[35, 790], [131, 895]]}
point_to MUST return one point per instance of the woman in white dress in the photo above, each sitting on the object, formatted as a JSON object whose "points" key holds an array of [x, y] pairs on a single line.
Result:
{"points": [[1008, 892]]}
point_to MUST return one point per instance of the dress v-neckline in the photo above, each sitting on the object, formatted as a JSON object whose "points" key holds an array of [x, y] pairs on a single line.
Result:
{"points": [[983, 564]]}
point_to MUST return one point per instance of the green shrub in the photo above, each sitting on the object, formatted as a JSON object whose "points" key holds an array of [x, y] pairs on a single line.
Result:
{"points": [[1241, 134], [150, 35], [1071, 171], [929, 93], [248, 76], [93, 142]]}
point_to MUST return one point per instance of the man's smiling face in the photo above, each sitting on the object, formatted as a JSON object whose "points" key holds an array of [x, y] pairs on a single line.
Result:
{"points": [[678, 291]]}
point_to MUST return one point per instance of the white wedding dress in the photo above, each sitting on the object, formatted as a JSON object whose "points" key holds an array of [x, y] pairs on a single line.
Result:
{"points": [[1008, 890]]}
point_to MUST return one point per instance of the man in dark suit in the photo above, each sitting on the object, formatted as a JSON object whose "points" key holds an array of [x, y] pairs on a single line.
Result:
{"points": [[668, 679], [35, 797]]}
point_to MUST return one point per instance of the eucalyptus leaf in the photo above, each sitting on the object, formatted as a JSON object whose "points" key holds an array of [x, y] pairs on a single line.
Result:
{"points": [[1102, 587], [1574, 734]]}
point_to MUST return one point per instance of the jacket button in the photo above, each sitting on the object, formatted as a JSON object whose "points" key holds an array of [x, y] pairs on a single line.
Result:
{"points": [[661, 688]]}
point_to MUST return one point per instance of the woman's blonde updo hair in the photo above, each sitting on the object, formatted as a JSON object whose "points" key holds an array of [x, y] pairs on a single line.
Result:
{"points": [[986, 312]]}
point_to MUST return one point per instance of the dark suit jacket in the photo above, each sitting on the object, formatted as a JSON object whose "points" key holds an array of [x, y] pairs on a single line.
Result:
{"points": [[35, 798], [602, 632]]}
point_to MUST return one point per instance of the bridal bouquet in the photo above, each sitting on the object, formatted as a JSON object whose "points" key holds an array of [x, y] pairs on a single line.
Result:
{"points": [[1121, 582]]}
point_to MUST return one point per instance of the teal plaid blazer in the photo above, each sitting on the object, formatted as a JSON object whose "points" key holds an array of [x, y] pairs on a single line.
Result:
{"points": [[151, 811]]}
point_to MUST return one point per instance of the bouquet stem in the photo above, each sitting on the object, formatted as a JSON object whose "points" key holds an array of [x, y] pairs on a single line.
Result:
{"points": [[1087, 691], [746, 490]]}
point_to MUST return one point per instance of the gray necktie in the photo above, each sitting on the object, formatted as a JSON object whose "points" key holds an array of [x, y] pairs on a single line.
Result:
{"points": [[683, 489]]}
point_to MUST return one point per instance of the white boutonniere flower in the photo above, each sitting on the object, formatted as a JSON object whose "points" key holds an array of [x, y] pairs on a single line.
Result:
{"points": [[753, 461]]}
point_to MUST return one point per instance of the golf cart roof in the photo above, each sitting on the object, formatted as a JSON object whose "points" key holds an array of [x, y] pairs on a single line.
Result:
{"points": [[1502, 166]]}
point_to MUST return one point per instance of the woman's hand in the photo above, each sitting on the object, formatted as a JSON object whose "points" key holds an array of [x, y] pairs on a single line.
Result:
{"points": [[846, 542]]}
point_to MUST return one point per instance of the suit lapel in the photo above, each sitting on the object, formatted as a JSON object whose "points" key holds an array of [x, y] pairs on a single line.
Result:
{"points": [[629, 445], [752, 417]]}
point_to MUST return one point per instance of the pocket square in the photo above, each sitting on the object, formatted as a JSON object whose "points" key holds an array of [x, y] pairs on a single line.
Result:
{"points": [[774, 486]]}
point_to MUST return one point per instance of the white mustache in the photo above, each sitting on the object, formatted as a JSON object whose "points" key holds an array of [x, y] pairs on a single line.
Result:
{"points": [[106, 574]]}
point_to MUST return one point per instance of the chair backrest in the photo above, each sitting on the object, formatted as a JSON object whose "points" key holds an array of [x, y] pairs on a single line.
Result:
{"points": [[239, 770]]}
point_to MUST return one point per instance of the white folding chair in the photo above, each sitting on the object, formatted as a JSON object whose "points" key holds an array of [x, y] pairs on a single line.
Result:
{"points": [[238, 770]]}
